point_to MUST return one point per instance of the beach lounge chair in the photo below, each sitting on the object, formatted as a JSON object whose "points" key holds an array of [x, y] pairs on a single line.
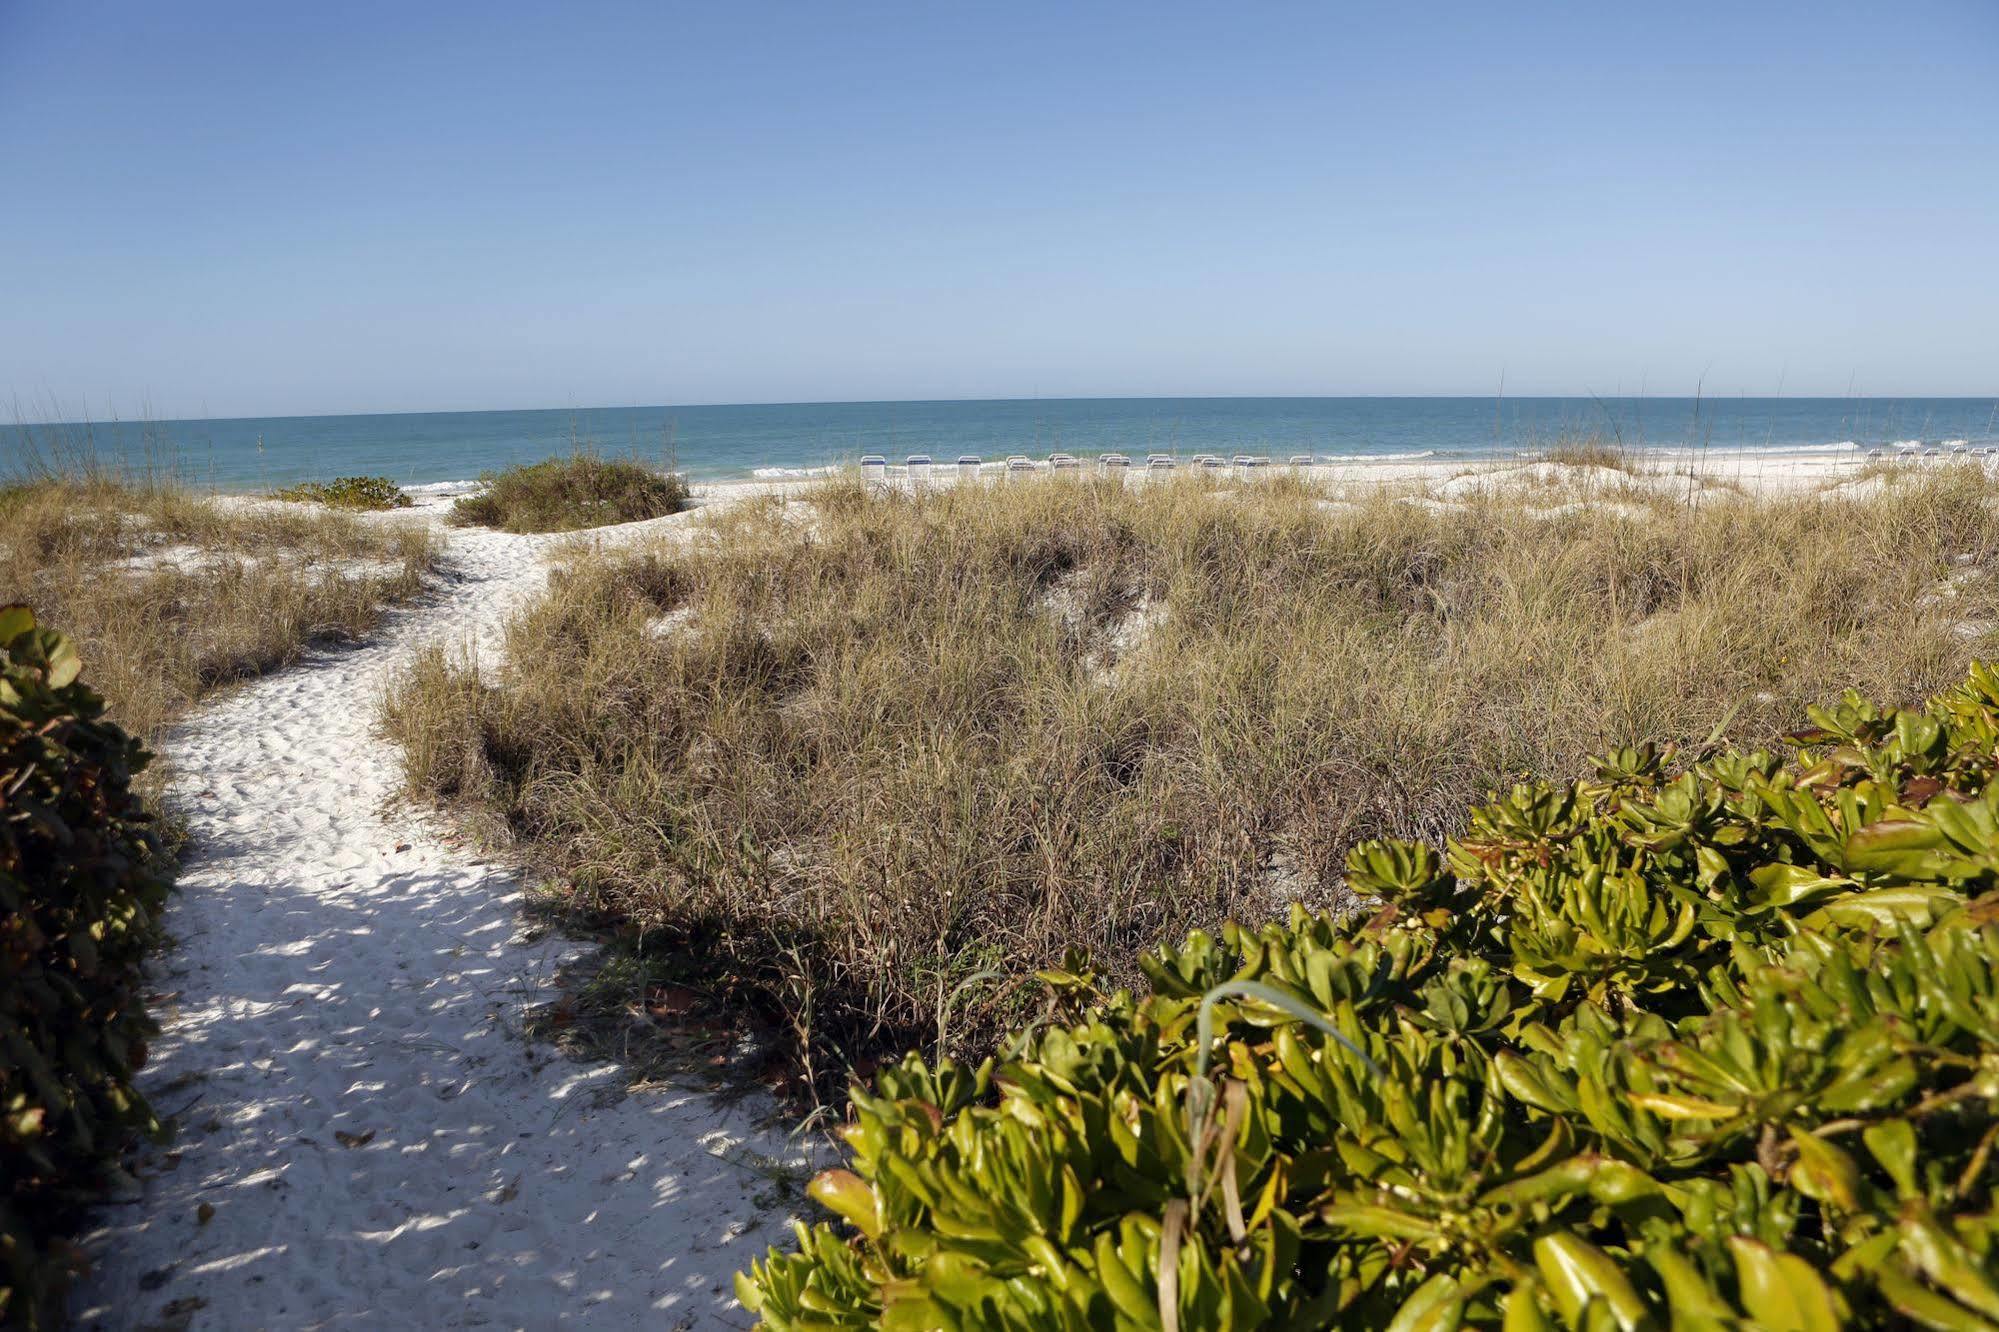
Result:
{"points": [[917, 468], [1062, 462], [1159, 462], [1212, 461], [1300, 460], [874, 469], [1019, 464], [968, 466], [1113, 462]]}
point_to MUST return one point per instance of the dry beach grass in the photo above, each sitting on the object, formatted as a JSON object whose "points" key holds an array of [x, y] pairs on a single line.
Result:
{"points": [[567, 494], [171, 593], [867, 760]]}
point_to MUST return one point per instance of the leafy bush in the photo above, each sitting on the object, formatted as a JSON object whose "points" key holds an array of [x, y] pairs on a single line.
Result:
{"points": [[79, 886], [348, 492], [566, 494], [1710, 1050]]}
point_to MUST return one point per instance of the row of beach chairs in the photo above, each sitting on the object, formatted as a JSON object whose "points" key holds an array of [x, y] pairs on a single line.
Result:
{"points": [[1916, 450]]}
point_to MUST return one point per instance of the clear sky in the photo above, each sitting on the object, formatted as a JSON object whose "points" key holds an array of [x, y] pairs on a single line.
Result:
{"points": [[263, 208]]}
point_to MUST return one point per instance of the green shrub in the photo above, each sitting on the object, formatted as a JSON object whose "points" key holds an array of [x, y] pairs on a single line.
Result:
{"points": [[1710, 1050], [348, 492], [566, 494], [79, 887]]}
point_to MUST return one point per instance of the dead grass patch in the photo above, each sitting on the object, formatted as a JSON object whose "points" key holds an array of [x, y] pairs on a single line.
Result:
{"points": [[171, 594], [864, 775]]}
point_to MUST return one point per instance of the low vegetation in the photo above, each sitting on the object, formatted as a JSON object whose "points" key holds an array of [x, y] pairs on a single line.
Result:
{"points": [[1592, 452], [567, 494], [169, 594], [81, 879], [865, 763], [365, 494], [1712, 1048]]}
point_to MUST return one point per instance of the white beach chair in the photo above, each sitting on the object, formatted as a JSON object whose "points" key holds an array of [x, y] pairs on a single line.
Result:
{"points": [[1300, 460], [1062, 462], [1113, 462], [1159, 462], [968, 466], [917, 468], [1019, 465], [1211, 461], [874, 469]]}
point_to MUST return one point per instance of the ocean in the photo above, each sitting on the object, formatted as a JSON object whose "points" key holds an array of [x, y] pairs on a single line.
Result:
{"points": [[709, 443]]}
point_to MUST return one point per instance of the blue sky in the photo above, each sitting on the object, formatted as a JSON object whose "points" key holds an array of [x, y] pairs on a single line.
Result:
{"points": [[256, 208]]}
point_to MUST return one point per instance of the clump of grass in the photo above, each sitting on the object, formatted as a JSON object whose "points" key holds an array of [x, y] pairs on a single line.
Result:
{"points": [[360, 493], [567, 494], [1591, 452], [170, 594], [869, 770]]}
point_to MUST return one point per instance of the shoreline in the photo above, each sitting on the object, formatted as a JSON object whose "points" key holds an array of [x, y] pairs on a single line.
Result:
{"points": [[1756, 471], [1784, 468], [1436, 480]]}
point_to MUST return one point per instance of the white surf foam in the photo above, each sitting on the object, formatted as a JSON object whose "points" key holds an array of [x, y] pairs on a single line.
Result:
{"points": [[792, 473], [1416, 456], [1843, 446]]}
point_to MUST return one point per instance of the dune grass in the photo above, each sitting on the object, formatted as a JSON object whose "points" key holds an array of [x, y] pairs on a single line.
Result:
{"points": [[170, 594], [568, 494], [362, 494], [865, 762], [1591, 452]]}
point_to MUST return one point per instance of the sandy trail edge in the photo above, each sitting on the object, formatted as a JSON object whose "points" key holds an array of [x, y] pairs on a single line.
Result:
{"points": [[342, 968]]}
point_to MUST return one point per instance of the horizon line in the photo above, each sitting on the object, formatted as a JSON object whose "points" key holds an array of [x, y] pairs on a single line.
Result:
{"points": [[19, 423]]}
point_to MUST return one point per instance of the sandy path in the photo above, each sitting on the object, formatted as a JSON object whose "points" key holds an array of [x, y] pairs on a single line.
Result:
{"points": [[379, 1146]]}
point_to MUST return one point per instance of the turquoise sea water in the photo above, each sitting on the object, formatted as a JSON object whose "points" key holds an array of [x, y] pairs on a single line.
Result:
{"points": [[723, 442]]}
